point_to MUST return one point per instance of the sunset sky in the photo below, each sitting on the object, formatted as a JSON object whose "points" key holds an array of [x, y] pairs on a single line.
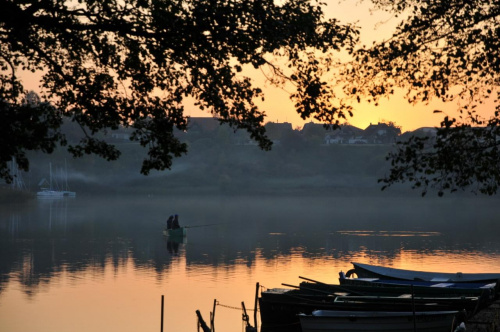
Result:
{"points": [[375, 26]]}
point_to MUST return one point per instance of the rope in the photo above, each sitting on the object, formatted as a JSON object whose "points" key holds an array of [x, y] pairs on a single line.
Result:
{"points": [[245, 317], [263, 288], [232, 307]]}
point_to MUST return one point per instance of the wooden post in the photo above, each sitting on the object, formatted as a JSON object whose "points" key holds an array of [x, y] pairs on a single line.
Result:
{"points": [[212, 317], [248, 327], [413, 307], [201, 322], [245, 316], [255, 306], [162, 309]]}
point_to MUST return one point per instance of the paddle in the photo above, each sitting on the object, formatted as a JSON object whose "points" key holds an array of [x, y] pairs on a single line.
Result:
{"points": [[309, 289], [339, 287], [206, 225], [315, 281]]}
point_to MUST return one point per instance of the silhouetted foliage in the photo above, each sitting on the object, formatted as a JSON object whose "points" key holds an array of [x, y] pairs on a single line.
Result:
{"points": [[447, 50], [133, 63]]}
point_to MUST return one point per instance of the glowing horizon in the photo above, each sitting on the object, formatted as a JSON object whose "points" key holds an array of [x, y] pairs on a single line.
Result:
{"points": [[375, 26]]}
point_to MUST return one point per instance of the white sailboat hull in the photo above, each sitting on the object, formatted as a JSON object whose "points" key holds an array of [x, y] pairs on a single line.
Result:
{"points": [[55, 194], [368, 321]]}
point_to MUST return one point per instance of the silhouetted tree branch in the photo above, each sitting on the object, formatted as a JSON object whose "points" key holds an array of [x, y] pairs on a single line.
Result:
{"points": [[106, 64], [447, 50]]}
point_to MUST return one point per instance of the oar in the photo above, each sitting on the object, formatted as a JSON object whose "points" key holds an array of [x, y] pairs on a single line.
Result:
{"points": [[315, 281], [203, 225], [309, 289], [340, 287]]}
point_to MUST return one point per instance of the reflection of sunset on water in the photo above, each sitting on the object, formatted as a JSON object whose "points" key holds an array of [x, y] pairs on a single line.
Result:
{"points": [[388, 233], [130, 293], [92, 264]]}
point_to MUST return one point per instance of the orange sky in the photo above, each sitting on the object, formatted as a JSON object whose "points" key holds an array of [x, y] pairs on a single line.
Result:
{"points": [[375, 26]]}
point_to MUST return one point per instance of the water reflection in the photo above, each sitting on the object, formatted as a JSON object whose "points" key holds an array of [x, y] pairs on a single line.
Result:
{"points": [[44, 238], [388, 233], [47, 245], [175, 244]]}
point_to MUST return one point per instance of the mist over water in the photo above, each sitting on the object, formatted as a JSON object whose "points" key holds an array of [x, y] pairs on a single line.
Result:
{"points": [[95, 257]]}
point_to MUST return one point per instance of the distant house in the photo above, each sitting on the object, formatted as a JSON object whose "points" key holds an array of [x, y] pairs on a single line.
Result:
{"points": [[381, 133], [333, 139], [122, 136], [312, 129], [210, 127], [425, 131], [358, 140], [198, 128], [202, 124], [420, 132], [345, 134], [276, 131]]}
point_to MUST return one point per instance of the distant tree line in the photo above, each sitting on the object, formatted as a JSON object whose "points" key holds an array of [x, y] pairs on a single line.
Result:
{"points": [[223, 160]]}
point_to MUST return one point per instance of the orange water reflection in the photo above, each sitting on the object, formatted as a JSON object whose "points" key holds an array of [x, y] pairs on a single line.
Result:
{"points": [[107, 267], [388, 233], [126, 297]]}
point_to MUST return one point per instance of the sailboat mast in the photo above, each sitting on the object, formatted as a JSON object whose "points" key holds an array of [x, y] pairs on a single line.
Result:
{"points": [[66, 174], [50, 176]]}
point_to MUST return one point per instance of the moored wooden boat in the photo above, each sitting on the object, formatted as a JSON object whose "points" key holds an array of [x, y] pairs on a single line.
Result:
{"points": [[177, 232], [424, 288], [282, 306], [279, 307], [400, 282], [374, 321], [375, 271], [357, 286]]}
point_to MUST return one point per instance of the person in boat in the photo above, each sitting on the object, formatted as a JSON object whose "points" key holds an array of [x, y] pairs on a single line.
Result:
{"points": [[170, 221], [175, 224]]}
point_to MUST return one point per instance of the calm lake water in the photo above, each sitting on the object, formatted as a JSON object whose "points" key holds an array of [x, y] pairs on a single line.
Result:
{"points": [[102, 264]]}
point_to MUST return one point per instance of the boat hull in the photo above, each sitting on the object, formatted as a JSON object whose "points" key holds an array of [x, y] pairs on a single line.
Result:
{"points": [[365, 287], [279, 307], [484, 291], [50, 193], [374, 321], [175, 233], [374, 271]]}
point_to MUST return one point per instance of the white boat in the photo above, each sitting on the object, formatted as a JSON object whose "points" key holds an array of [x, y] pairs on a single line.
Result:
{"points": [[47, 193], [51, 192], [175, 233], [374, 271], [377, 321]]}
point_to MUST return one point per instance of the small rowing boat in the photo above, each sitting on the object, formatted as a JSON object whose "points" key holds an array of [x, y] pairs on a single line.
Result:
{"points": [[471, 288], [374, 271], [280, 306], [175, 232], [373, 321]]}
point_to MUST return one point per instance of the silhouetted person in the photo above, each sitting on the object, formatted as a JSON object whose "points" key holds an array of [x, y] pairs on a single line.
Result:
{"points": [[175, 224], [170, 221]]}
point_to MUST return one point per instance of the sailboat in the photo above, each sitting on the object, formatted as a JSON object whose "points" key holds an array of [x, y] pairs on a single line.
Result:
{"points": [[51, 192]]}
